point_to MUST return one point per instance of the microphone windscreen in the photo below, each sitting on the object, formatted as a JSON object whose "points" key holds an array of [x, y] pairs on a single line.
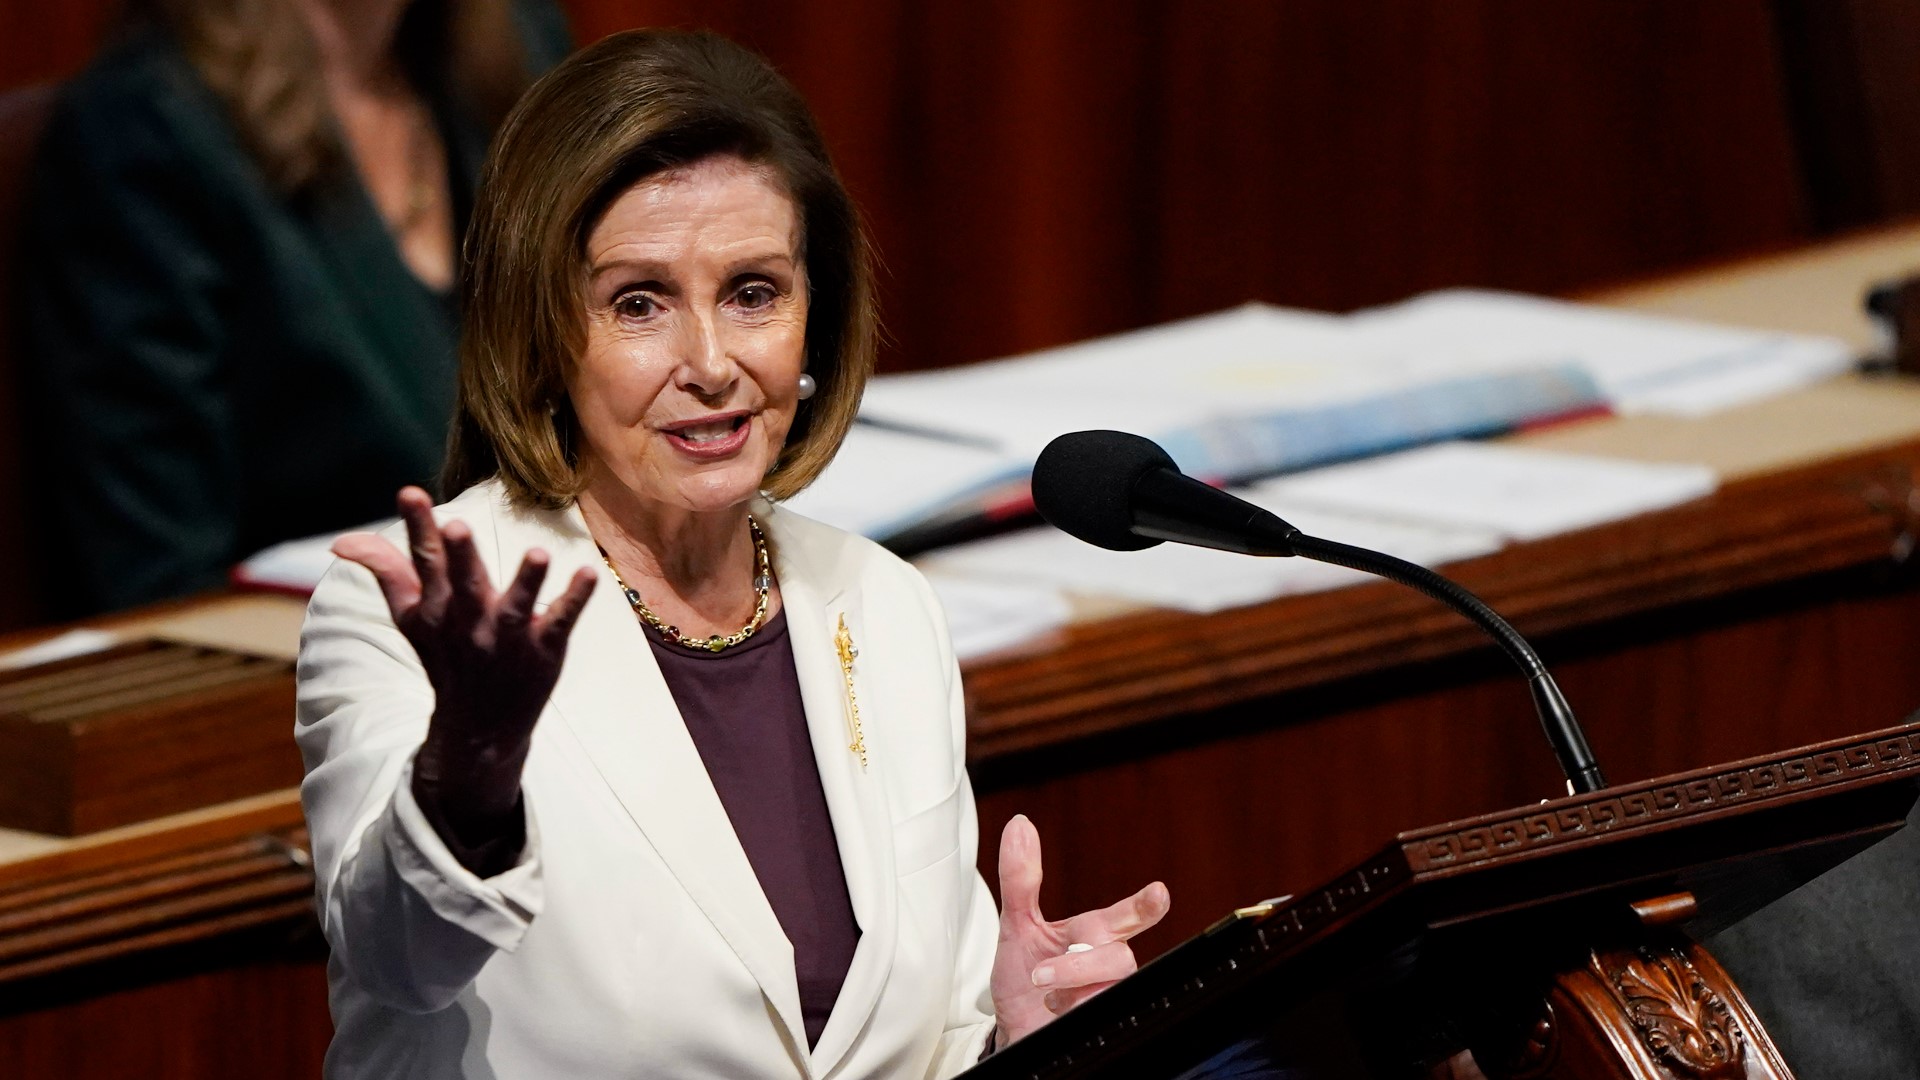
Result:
{"points": [[1083, 485]]}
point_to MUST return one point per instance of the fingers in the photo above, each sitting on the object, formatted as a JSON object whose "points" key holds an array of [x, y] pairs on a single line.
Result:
{"points": [[1124, 919], [516, 604], [1102, 964], [425, 545], [470, 592], [395, 573], [1020, 871], [1074, 977], [565, 611]]}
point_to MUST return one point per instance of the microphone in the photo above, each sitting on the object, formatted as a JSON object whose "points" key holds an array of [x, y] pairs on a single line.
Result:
{"points": [[1122, 492]]}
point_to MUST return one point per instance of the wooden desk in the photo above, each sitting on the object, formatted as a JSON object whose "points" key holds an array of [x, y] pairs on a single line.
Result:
{"points": [[1223, 754]]}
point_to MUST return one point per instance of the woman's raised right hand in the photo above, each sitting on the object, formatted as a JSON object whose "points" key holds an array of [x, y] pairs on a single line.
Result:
{"points": [[491, 661]]}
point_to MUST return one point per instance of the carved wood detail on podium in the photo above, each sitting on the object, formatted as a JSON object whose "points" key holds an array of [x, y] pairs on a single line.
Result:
{"points": [[1681, 1021], [1654, 1011]]}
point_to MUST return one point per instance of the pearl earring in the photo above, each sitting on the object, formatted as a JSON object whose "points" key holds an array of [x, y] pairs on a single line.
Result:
{"points": [[806, 386]]}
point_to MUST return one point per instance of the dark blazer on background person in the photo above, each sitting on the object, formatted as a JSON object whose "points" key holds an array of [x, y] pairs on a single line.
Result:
{"points": [[1833, 968], [213, 366]]}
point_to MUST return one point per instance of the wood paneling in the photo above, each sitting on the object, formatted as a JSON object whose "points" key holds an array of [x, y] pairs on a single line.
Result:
{"points": [[1039, 173], [42, 42], [253, 1020], [1855, 104], [64, 926]]}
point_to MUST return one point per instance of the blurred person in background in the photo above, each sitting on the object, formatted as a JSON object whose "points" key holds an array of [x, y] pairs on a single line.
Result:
{"points": [[239, 259]]}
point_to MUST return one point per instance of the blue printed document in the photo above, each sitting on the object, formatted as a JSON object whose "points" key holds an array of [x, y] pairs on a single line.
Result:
{"points": [[1239, 394]]}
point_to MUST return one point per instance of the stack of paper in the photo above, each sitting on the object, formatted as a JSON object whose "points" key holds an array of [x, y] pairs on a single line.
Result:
{"points": [[295, 566], [1516, 493], [986, 616], [885, 481], [1198, 579], [1232, 396], [1643, 363], [1259, 390]]}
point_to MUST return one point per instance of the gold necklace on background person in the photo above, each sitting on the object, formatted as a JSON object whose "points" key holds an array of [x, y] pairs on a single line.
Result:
{"points": [[393, 141], [762, 587], [422, 230], [424, 189]]}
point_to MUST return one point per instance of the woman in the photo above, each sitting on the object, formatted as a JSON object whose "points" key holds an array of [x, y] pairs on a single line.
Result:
{"points": [[733, 836], [241, 238]]}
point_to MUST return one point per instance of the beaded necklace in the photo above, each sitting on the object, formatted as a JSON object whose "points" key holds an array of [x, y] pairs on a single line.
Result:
{"points": [[762, 586]]}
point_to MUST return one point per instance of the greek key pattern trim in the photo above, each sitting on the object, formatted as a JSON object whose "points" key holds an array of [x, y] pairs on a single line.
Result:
{"points": [[1634, 807]]}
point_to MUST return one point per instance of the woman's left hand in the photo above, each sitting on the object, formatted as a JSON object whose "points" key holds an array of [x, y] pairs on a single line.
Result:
{"points": [[1035, 977]]}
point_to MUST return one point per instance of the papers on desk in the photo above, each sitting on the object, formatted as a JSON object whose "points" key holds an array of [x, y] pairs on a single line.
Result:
{"points": [[1512, 492], [988, 616], [1430, 506], [1198, 579], [1258, 390], [1234, 395], [1643, 363], [294, 566], [59, 647], [884, 481]]}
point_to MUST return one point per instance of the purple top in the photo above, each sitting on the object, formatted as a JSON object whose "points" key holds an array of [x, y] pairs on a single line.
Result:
{"points": [[743, 709]]}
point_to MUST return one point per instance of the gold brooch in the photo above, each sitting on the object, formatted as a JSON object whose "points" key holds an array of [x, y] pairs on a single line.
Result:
{"points": [[843, 643]]}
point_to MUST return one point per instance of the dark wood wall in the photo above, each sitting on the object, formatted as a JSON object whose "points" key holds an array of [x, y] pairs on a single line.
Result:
{"points": [[1040, 172], [1854, 92], [264, 1019]]}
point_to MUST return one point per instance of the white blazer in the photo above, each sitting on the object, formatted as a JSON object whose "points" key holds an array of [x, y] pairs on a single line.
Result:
{"points": [[632, 939]]}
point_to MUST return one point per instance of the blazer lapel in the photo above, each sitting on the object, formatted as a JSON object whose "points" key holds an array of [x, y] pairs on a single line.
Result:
{"points": [[816, 598], [617, 705]]}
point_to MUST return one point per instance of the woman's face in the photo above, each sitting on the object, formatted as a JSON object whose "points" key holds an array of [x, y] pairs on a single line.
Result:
{"points": [[696, 335]]}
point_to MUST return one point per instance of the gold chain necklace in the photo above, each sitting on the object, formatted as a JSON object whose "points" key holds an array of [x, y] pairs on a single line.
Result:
{"points": [[423, 190], [762, 585]]}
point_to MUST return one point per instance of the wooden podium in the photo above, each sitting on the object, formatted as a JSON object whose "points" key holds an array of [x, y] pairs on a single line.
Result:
{"points": [[1554, 941]]}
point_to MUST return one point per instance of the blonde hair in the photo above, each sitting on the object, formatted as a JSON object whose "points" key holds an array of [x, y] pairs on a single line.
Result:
{"points": [[630, 107], [258, 58]]}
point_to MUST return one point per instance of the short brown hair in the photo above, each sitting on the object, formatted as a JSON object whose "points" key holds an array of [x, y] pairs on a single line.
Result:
{"points": [[632, 106]]}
